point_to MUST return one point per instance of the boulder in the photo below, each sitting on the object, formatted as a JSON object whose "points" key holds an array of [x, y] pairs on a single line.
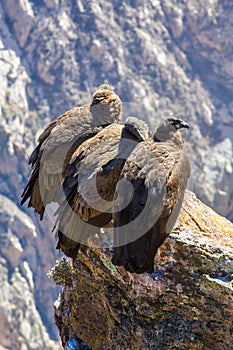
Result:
{"points": [[187, 303]]}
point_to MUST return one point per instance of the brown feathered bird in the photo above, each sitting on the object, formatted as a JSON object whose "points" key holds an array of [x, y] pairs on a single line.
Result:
{"points": [[158, 171], [58, 141], [91, 178]]}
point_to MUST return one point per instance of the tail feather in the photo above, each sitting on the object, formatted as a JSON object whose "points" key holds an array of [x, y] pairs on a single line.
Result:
{"points": [[69, 247], [137, 256]]}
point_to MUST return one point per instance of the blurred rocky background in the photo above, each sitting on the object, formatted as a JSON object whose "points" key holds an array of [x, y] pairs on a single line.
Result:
{"points": [[161, 57]]}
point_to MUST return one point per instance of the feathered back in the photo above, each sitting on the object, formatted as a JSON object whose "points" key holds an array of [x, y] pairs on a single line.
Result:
{"points": [[158, 170]]}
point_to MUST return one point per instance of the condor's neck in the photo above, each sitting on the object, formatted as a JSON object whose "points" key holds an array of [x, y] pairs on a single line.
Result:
{"points": [[106, 113], [172, 137]]}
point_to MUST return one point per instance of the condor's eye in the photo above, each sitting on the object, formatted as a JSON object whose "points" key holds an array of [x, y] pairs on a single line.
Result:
{"points": [[97, 100]]}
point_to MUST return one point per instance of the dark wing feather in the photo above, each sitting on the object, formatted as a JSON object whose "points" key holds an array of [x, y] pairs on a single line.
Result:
{"points": [[46, 176], [158, 171], [56, 144], [87, 161], [44, 135], [91, 178], [180, 176]]}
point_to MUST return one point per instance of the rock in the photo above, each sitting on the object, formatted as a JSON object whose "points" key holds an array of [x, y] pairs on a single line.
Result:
{"points": [[22, 16], [51, 4], [161, 56], [217, 170], [20, 319], [25, 253], [186, 303]]}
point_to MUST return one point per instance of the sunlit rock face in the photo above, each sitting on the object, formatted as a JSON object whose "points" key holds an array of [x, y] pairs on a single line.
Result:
{"points": [[26, 294], [21, 322], [186, 303], [161, 56]]}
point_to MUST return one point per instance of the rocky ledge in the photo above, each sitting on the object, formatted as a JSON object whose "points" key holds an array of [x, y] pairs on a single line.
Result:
{"points": [[187, 303]]}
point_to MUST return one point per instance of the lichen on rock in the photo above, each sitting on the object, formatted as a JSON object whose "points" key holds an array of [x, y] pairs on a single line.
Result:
{"points": [[62, 272], [187, 303]]}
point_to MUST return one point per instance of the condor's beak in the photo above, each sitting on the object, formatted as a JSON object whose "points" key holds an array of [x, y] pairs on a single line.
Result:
{"points": [[183, 124]]}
